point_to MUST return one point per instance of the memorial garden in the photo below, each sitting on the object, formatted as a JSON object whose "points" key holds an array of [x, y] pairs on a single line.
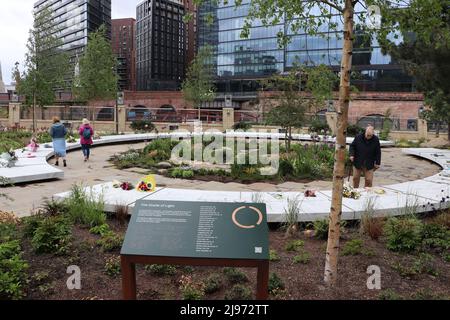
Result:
{"points": [[209, 196], [83, 230]]}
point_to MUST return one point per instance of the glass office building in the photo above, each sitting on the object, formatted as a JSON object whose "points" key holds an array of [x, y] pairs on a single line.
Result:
{"points": [[160, 45], [238, 62], [75, 19]]}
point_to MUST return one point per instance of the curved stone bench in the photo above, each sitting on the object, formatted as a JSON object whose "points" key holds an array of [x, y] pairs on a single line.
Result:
{"points": [[37, 169], [428, 194]]}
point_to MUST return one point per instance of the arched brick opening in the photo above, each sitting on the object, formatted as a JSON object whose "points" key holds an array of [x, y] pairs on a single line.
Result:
{"points": [[139, 112], [105, 114]]}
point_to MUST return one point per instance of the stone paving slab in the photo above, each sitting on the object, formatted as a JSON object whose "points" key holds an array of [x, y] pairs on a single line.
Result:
{"points": [[111, 196], [31, 173], [422, 195]]}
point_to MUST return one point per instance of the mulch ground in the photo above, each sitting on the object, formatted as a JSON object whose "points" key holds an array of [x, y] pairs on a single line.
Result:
{"points": [[302, 281]]}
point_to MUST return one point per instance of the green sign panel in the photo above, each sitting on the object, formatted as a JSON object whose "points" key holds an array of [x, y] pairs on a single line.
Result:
{"points": [[198, 230]]}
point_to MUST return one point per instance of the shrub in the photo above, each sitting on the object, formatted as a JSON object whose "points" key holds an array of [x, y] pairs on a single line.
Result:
{"points": [[84, 209], [286, 168], [403, 234], [294, 245], [404, 270], [353, 247], [54, 208], [110, 242], [234, 275], [160, 149], [435, 236], [190, 289], [389, 294], [319, 126], [30, 224], [422, 264], [273, 255], [43, 137], [142, 125], [12, 270], [188, 174], [321, 229], [238, 292], [428, 294], [443, 219], [121, 213], [303, 258], [276, 284], [242, 126], [425, 264], [404, 143], [161, 269], [182, 173], [291, 214], [101, 230], [52, 235], [8, 232], [7, 145], [372, 226], [112, 266], [213, 283], [353, 130]]}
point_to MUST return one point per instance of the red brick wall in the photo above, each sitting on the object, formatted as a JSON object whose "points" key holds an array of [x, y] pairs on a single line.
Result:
{"points": [[150, 99], [402, 105]]}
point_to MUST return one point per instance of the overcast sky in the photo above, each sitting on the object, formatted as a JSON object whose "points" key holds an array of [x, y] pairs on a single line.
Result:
{"points": [[16, 20]]}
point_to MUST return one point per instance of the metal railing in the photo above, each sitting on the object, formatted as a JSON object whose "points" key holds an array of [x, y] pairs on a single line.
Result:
{"points": [[72, 113], [173, 116], [249, 116], [168, 115]]}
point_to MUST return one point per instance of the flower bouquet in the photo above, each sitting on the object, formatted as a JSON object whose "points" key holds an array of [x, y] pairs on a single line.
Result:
{"points": [[310, 193], [8, 159], [127, 186], [146, 184], [349, 192], [33, 145]]}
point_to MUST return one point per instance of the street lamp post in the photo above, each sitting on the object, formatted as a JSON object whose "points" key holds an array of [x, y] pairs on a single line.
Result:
{"points": [[119, 100]]}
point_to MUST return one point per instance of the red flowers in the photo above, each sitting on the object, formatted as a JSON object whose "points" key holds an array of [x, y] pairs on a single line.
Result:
{"points": [[144, 186], [126, 186]]}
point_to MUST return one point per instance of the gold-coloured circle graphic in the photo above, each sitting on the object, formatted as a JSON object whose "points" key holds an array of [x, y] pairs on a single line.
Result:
{"points": [[260, 217]]}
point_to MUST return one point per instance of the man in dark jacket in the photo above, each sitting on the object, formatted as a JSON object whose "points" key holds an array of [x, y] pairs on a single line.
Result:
{"points": [[365, 153]]}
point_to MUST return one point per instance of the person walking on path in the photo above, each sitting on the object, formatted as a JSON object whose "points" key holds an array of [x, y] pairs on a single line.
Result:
{"points": [[365, 154], [58, 133], [86, 134]]}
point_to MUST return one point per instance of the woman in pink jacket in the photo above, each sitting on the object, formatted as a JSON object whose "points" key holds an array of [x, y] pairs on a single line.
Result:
{"points": [[86, 134]]}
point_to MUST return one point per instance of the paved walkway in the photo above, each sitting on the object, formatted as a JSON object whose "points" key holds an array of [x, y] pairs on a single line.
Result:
{"points": [[424, 195], [25, 197]]}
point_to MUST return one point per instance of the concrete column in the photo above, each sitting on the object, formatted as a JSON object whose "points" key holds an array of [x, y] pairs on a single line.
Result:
{"points": [[422, 128], [122, 118], [14, 113], [332, 121], [227, 118]]}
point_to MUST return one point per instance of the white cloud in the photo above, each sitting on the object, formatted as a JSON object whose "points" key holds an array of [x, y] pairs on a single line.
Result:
{"points": [[16, 20]]}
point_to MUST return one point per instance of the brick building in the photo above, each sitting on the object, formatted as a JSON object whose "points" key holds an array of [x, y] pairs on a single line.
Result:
{"points": [[123, 45]]}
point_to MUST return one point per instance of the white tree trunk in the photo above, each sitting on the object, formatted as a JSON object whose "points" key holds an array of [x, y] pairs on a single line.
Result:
{"points": [[330, 276]]}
